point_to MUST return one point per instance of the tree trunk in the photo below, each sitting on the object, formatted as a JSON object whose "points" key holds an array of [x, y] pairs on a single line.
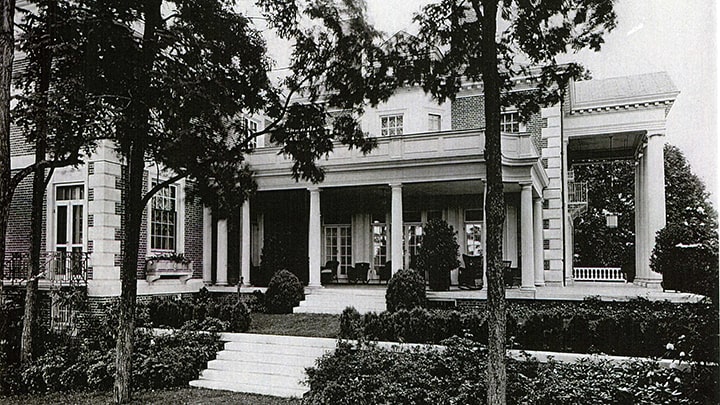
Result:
{"points": [[495, 209], [134, 206], [29, 320], [7, 48]]}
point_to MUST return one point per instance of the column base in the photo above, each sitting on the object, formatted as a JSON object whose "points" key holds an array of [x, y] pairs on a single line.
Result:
{"points": [[541, 284], [526, 288], [652, 283]]}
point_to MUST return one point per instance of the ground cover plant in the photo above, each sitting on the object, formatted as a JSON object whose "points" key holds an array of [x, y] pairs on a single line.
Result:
{"points": [[638, 328], [369, 374], [86, 362], [310, 325]]}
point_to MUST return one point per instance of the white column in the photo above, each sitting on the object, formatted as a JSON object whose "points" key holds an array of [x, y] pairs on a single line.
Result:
{"points": [[638, 216], [222, 252], [396, 228], [653, 202], [245, 243], [527, 235], [314, 238], [538, 242], [207, 245]]}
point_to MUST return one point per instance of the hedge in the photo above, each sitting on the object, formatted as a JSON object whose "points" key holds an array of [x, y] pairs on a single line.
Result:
{"points": [[638, 328], [368, 375]]}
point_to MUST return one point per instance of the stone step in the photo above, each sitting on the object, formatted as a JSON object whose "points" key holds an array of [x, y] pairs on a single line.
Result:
{"points": [[262, 368], [237, 386], [291, 350], [269, 358], [277, 339], [332, 310], [252, 377]]}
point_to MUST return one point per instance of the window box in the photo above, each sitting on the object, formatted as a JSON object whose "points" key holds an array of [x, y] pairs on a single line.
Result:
{"points": [[168, 267]]}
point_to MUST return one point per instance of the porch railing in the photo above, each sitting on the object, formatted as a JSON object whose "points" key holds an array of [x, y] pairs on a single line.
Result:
{"points": [[64, 267], [598, 274]]}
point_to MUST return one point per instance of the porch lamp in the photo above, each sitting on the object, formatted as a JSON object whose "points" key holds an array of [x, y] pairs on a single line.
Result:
{"points": [[611, 220]]}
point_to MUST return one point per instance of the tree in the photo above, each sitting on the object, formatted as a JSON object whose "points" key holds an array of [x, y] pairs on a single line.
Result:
{"points": [[610, 190], [175, 90], [55, 114], [492, 41], [686, 249], [7, 55]]}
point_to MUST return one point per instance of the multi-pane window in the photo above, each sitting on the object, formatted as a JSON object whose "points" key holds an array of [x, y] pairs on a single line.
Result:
{"points": [[69, 202], [510, 122], [391, 125], [474, 232], [434, 122], [338, 246], [380, 235], [163, 219], [249, 127]]}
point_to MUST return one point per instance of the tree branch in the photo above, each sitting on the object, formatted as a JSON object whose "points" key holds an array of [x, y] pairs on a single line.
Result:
{"points": [[159, 187], [43, 164]]}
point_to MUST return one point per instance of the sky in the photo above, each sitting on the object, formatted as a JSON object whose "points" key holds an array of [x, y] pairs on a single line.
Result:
{"points": [[675, 36]]}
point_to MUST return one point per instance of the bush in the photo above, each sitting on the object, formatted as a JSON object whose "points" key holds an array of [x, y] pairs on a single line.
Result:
{"points": [[581, 327], [228, 313], [284, 293], [281, 252], [406, 290], [438, 253], [457, 375]]}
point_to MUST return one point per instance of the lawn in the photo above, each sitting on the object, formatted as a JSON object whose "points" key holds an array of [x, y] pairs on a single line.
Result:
{"points": [[177, 396], [312, 325]]}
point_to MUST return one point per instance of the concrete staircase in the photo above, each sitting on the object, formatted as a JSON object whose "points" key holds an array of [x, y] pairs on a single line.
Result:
{"points": [[334, 299], [263, 364]]}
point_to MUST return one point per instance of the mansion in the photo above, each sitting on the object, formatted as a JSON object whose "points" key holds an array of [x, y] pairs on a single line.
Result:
{"points": [[370, 209]]}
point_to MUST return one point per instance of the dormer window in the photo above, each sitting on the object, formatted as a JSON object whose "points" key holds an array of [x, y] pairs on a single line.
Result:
{"points": [[510, 122], [391, 125], [434, 122]]}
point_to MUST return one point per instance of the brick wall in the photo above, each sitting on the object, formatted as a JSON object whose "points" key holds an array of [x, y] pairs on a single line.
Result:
{"points": [[468, 112], [194, 233], [18, 232]]}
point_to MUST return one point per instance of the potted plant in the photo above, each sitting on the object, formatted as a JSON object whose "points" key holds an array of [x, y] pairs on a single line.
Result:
{"points": [[438, 253]]}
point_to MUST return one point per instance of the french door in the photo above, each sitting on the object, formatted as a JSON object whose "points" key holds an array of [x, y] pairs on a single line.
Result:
{"points": [[69, 207], [338, 247]]}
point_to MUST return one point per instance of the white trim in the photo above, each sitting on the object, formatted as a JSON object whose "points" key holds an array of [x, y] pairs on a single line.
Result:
{"points": [[157, 175], [20, 162]]}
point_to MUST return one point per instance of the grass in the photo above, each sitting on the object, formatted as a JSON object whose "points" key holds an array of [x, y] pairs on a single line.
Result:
{"points": [[310, 325], [170, 396]]}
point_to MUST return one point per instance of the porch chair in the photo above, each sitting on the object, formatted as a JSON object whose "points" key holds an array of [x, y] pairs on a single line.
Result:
{"points": [[328, 272], [471, 273], [358, 272], [511, 275]]}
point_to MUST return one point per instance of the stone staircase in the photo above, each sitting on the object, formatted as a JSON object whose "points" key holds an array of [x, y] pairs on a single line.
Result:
{"points": [[263, 364], [334, 299]]}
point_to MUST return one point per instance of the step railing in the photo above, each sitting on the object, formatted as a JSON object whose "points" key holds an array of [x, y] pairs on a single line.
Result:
{"points": [[598, 274]]}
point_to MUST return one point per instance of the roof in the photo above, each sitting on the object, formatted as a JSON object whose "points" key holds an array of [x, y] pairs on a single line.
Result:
{"points": [[621, 91]]}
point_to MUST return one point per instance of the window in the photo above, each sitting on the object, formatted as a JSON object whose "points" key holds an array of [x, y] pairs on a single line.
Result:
{"points": [[380, 235], [338, 246], [163, 219], [61, 316], [249, 127], [474, 232], [434, 122], [391, 125], [69, 203], [510, 122]]}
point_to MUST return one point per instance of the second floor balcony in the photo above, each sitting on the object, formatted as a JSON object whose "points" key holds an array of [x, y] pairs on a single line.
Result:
{"points": [[55, 267], [426, 149]]}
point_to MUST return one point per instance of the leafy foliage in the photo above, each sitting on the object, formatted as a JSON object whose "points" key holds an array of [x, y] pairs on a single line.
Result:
{"points": [[586, 327], [281, 252], [228, 313], [686, 250], [610, 190], [283, 293], [438, 253], [405, 290], [456, 375]]}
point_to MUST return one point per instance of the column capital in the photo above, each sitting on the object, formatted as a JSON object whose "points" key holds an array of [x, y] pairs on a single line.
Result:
{"points": [[314, 189], [395, 185], [654, 134], [525, 184]]}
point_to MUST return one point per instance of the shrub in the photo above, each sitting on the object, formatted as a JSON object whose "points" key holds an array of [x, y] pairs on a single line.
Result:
{"points": [[457, 375], [281, 252], [406, 290], [350, 324], [438, 253], [284, 292]]}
